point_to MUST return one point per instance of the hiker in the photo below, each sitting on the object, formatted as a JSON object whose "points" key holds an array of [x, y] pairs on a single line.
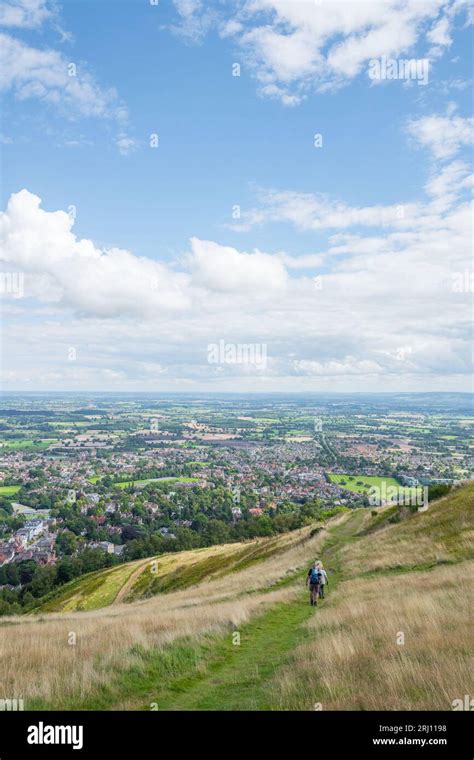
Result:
{"points": [[324, 579], [314, 582]]}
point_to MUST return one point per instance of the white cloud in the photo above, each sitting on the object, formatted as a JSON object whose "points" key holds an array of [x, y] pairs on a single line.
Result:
{"points": [[46, 75], [195, 20], [446, 184], [126, 144], [349, 366], [134, 319], [293, 48], [77, 274], [444, 136], [318, 211], [225, 269], [439, 33], [26, 14]]}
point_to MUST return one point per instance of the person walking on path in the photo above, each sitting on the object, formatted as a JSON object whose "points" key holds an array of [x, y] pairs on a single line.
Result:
{"points": [[324, 579], [313, 580]]}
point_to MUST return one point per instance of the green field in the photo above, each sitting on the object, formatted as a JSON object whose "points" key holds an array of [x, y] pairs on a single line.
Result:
{"points": [[71, 424], [9, 490], [26, 443], [361, 483]]}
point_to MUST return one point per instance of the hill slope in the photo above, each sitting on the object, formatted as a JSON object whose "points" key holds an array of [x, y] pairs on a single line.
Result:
{"points": [[167, 572], [394, 632]]}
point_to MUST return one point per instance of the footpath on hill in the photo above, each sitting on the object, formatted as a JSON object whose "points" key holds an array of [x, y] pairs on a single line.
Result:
{"points": [[218, 675]]}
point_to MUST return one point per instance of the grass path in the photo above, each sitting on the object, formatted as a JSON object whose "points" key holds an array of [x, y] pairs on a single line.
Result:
{"points": [[212, 672], [217, 674], [238, 678], [241, 677], [130, 582]]}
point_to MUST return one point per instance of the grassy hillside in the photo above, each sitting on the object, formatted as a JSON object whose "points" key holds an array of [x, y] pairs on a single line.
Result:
{"points": [[91, 591], [398, 633], [234, 629], [164, 573]]}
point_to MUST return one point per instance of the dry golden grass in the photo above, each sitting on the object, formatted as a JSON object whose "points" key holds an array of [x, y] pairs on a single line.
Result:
{"points": [[296, 549], [105, 587], [352, 659], [121, 583], [444, 533], [36, 660]]}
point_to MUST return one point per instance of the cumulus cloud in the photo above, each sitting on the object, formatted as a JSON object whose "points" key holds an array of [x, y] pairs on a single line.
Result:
{"points": [[77, 274], [114, 282], [384, 310], [225, 269], [293, 48], [445, 135]]}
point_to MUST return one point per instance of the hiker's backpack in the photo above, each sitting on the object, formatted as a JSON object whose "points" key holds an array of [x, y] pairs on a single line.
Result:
{"points": [[315, 576]]}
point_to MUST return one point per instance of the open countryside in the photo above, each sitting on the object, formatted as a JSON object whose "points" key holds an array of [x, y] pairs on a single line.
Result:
{"points": [[175, 646], [174, 535]]}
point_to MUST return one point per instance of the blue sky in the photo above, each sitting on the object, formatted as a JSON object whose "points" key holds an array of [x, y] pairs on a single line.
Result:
{"points": [[361, 212]]}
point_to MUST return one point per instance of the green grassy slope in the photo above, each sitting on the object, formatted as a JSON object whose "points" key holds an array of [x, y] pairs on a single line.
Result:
{"points": [[89, 592], [399, 541], [168, 572], [259, 674], [290, 655], [211, 672]]}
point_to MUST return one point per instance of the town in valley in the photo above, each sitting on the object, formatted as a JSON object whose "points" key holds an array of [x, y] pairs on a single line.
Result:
{"points": [[88, 481]]}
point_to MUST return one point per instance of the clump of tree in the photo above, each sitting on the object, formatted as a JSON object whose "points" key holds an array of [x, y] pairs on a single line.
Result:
{"points": [[437, 490]]}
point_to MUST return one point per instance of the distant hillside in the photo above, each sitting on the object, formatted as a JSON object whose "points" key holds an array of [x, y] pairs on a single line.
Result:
{"points": [[166, 572], [230, 627]]}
